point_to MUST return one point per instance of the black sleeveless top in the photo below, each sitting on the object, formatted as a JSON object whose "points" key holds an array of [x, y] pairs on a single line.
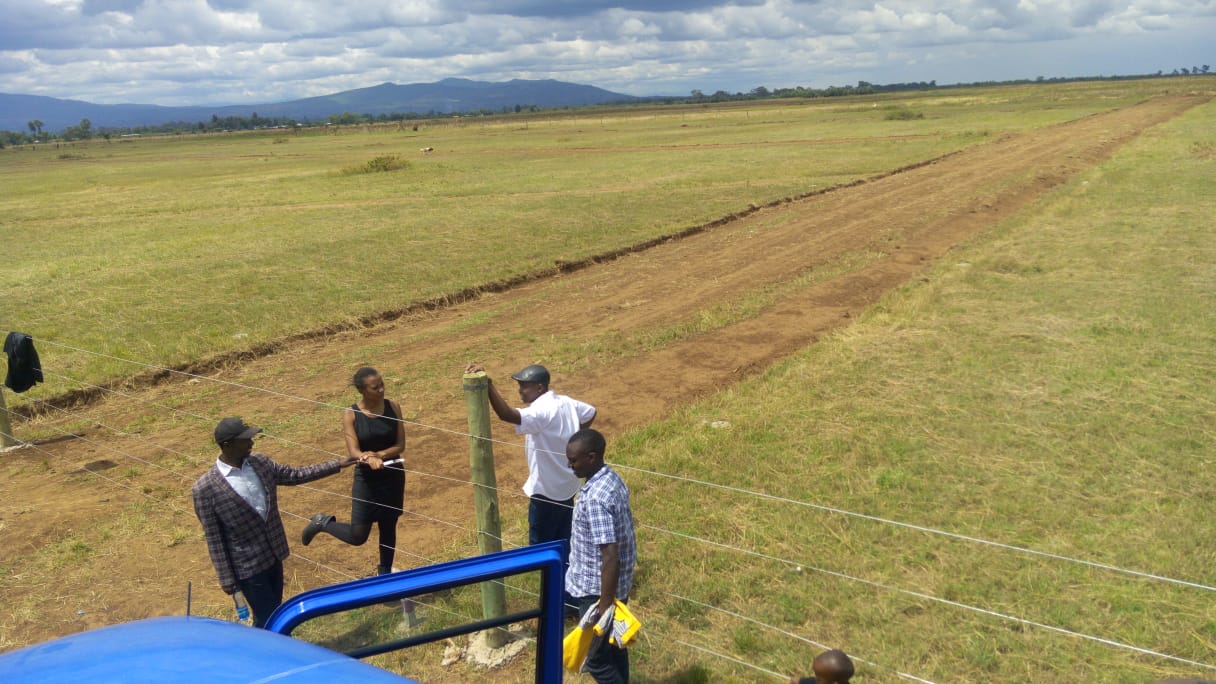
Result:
{"points": [[376, 434], [376, 494]]}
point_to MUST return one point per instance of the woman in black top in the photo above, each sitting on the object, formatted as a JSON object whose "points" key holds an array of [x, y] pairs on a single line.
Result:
{"points": [[374, 434]]}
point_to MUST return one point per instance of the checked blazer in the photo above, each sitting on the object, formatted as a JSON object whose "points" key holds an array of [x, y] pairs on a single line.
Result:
{"points": [[240, 542]]}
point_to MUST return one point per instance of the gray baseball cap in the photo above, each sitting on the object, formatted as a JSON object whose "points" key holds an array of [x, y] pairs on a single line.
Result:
{"points": [[534, 373], [234, 428]]}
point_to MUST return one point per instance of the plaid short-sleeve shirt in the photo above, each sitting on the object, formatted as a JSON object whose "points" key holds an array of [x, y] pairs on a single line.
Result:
{"points": [[601, 516]]}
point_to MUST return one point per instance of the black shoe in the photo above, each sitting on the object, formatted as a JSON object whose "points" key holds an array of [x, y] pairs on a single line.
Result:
{"points": [[383, 569], [318, 523]]}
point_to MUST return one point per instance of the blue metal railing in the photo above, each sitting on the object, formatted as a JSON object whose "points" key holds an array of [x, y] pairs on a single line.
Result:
{"points": [[544, 558]]}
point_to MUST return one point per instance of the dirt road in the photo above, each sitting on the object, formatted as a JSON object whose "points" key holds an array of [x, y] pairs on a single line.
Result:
{"points": [[636, 335]]}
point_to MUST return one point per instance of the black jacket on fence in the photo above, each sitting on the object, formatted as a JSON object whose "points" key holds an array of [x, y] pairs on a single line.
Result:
{"points": [[24, 368]]}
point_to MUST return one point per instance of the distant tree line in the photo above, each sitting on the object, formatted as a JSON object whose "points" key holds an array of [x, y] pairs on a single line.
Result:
{"points": [[867, 88], [226, 124], [85, 130], [1193, 71], [763, 93], [351, 118], [81, 131]]}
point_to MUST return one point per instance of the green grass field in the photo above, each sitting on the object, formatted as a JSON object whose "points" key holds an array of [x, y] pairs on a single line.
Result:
{"points": [[170, 250], [1051, 386]]}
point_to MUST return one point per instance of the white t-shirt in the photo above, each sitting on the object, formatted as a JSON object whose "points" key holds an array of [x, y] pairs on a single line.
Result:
{"points": [[547, 425]]}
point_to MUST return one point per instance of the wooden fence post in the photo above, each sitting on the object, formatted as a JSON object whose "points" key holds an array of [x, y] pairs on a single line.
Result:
{"points": [[485, 495], [8, 438]]}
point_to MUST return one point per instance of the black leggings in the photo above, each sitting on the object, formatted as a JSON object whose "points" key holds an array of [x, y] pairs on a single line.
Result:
{"points": [[356, 535]]}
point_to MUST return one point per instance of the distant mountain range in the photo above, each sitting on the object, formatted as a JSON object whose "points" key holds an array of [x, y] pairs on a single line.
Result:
{"points": [[443, 97]]}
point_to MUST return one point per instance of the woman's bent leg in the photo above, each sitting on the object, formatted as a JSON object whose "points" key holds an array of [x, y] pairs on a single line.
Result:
{"points": [[352, 534]]}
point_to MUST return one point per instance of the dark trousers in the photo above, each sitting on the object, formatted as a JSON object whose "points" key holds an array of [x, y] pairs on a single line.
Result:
{"points": [[608, 664], [264, 592], [550, 520]]}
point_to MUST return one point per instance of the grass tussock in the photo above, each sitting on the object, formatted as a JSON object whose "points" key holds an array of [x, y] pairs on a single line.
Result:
{"points": [[380, 164], [902, 114]]}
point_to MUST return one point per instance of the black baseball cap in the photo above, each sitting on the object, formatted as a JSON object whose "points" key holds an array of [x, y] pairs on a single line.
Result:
{"points": [[234, 428], [534, 373]]}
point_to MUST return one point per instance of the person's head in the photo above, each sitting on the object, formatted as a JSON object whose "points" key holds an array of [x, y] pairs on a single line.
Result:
{"points": [[832, 667], [585, 452], [533, 382], [235, 438], [369, 383]]}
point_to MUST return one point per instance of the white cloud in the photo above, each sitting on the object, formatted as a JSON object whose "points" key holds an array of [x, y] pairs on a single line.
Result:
{"points": [[212, 51], [635, 27]]}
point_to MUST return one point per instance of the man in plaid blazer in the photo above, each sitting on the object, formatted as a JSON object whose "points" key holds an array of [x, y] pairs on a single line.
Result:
{"points": [[237, 503]]}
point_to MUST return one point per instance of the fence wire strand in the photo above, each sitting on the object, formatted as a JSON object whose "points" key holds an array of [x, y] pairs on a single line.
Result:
{"points": [[737, 490], [652, 473]]}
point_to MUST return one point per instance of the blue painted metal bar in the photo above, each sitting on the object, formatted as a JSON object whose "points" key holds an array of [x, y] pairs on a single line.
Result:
{"points": [[441, 634], [545, 558]]}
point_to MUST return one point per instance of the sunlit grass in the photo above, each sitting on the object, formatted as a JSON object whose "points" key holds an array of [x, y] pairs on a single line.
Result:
{"points": [[1049, 386], [168, 250]]}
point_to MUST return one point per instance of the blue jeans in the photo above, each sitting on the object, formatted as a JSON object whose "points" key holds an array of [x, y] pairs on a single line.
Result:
{"points": [[607, 664]]}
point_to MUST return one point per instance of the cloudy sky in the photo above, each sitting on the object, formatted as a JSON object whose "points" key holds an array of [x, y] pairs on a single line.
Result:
{"points": [[183, 52]]}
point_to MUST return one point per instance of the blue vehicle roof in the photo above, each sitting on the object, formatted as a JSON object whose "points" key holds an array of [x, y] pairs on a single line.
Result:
{"points": [[184, 649]]}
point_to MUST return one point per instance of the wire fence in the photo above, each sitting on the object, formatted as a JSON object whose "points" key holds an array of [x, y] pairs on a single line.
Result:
{"points": [[674, 533]]}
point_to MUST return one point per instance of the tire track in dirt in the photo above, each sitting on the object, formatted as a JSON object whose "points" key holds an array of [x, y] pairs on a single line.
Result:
{"points": [[594, 319], [86, 396], [912, 217]]}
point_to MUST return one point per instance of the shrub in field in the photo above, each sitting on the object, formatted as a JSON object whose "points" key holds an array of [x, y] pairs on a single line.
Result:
{"points": [[902, 114], [387, 162]]}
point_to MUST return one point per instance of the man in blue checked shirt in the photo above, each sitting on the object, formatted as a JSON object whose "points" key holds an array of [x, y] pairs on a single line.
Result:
{"points": [[602, 547]]}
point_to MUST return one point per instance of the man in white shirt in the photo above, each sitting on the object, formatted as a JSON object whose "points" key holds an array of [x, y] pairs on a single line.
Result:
{"points": [[547, 423]]}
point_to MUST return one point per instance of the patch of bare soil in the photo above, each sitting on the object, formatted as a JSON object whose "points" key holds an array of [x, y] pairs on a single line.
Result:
{"points": [[59, 504]]}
